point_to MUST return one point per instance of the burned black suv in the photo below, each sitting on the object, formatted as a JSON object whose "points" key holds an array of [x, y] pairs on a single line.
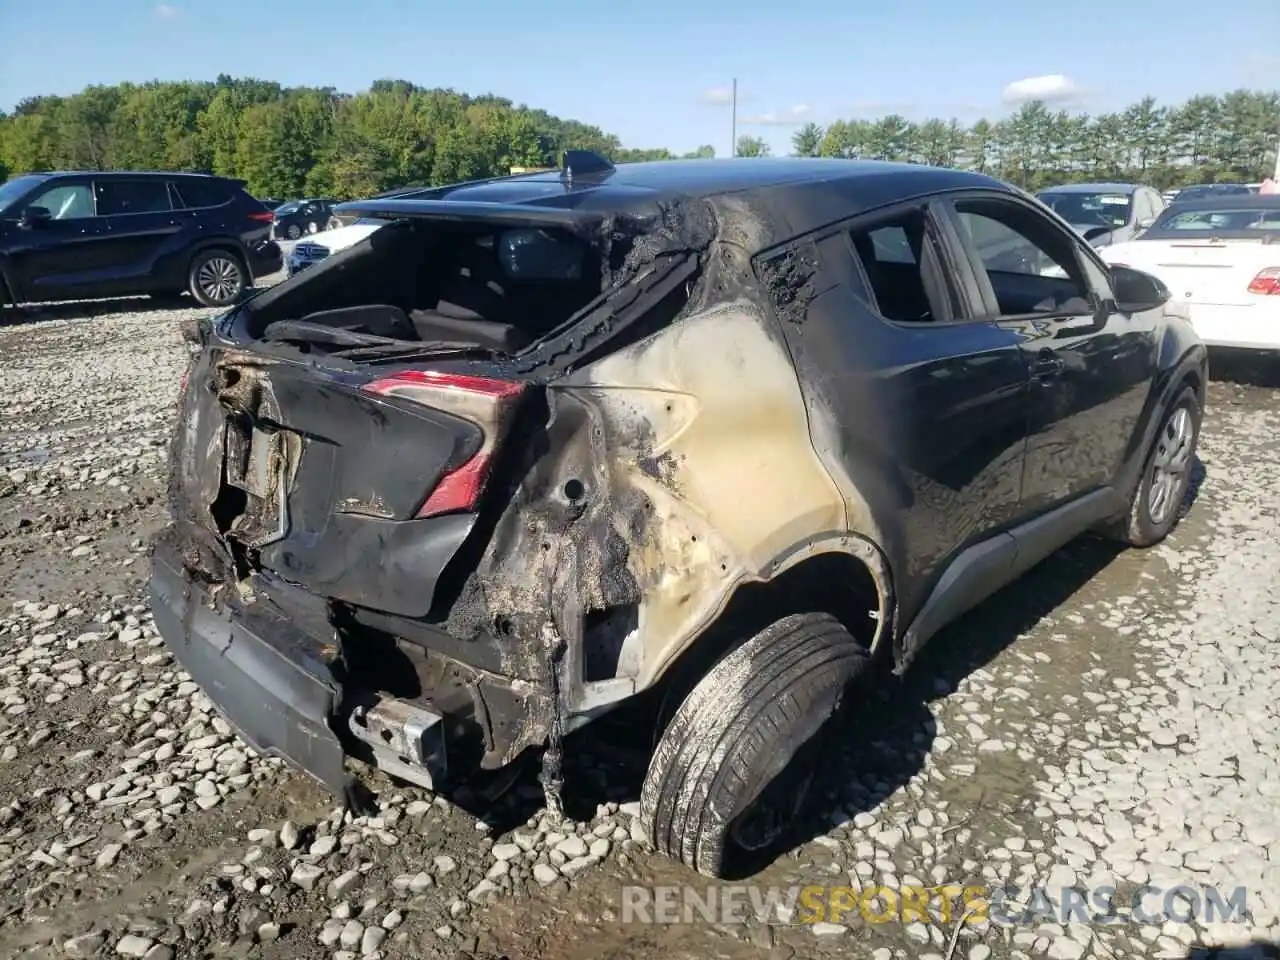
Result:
{"points": [[727, 430]]}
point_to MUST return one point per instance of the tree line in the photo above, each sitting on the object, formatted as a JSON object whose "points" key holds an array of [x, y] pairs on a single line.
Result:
{"points": [[297, 141], [309, 141], [1207, 139]]}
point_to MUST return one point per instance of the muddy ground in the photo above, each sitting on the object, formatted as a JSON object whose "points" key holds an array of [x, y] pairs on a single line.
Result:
{"points": [[1110, 719]]}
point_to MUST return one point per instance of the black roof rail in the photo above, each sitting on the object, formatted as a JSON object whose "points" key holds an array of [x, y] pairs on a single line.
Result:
{"points": [[583, 163]]}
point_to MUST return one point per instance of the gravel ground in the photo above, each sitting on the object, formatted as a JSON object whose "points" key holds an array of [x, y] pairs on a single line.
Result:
{"points": [[1109, 719]]}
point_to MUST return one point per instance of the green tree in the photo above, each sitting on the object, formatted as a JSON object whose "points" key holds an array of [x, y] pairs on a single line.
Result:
{"points": [[287, 141], [807, 140]]}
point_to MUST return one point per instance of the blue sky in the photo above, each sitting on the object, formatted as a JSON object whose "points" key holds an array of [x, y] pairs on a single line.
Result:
{"points": [[655, 72]]}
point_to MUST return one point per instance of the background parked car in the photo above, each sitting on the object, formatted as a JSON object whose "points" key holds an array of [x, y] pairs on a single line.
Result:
{"points": [[1202, 191], [308, 252], [1105, 213], [1218, 257], [72, 236], [271, 202], [297, 217]]}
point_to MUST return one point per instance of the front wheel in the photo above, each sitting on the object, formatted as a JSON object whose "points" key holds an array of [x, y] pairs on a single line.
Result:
{"points": [[293, 232], [730, 775], [217, 278], [1157, 501]]}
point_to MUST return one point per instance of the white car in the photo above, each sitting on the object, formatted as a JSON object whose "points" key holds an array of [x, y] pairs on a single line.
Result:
{"points": [[1220, 259], [308, 252]]}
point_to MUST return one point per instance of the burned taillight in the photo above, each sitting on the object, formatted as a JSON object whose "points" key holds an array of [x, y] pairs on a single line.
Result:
{"points": [[1266, 283], [486, 402]]}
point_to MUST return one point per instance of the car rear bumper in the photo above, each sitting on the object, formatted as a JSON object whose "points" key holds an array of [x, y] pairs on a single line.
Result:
{"points": [[1239, 327], [274, 683], [271, 682]]}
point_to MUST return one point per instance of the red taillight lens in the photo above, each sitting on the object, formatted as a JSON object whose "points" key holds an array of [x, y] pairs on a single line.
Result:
{"points": [[264, 216], [1266, 283], [486, 402]]}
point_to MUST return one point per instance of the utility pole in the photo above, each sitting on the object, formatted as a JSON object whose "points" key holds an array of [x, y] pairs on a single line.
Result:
{"points": [[733, 128]]}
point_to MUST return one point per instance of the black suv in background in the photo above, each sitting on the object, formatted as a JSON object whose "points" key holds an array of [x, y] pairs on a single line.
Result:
{"points": [[297, 217], [71, 236]]}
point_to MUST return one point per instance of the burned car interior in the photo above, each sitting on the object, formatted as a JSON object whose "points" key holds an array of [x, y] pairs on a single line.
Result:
{"points": [[499, 289]]}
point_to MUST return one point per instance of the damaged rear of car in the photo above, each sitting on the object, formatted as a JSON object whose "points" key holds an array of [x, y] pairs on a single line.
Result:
{"points": [[476, 480]]}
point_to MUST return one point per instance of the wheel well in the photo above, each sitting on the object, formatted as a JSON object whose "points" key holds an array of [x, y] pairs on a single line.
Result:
{"points": [[225, 247], [835, 583], [1192, 380]]}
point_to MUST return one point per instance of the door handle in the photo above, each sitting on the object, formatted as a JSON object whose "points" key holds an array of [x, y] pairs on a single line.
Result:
{"points": [[1047, 366]]}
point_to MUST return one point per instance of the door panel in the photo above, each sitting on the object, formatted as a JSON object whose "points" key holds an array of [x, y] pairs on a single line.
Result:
{"points": [[922, 422], [59, 259], [1090, 367], [140, 220]]}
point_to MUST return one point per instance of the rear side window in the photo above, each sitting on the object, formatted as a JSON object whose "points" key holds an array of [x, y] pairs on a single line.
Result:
{"points": [[132, 196], [902, 262], [202, 193]]}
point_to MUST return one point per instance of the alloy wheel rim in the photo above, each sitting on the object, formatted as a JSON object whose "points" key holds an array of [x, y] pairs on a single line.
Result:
{"points": [[219, 279], [1170, 466]]}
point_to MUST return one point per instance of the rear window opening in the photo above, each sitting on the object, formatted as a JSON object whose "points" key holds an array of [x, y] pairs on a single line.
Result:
{"points": [[500, 288]]}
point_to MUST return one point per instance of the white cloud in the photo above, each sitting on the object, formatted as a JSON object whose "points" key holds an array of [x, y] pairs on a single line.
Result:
{"points": [[800, 113], [166, 12], [718, 96], [1051, 88]]}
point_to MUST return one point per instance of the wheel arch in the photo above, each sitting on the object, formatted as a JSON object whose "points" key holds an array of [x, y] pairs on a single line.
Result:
{"points": [[226, 244], [842, 574]]}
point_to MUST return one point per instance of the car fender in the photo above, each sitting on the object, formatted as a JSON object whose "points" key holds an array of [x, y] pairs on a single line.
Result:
{"points": [[1181, 358]]}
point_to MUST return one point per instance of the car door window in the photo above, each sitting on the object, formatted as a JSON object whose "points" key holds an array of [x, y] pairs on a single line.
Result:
{"points": [[132, 196], [71, 201], [901, 262], [1031, 265]]}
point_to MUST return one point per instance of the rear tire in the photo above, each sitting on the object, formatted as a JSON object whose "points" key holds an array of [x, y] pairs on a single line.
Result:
{"points": [[217, 278], [721, 785], [1157, 501]]}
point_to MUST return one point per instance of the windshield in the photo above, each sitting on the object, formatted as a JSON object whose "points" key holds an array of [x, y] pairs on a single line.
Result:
{"points": [[290, 207], [1241, 222], [12, 190], [1090, 209]]}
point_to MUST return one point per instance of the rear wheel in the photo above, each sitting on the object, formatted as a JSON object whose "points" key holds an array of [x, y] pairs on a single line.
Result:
{"points": [[731, 773], [217, 278], [1157, 501], [313, 227]]}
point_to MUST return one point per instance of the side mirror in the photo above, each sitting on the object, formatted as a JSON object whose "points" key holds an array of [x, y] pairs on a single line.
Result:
{"points": [[1143, 225], [1136, 291], [36, 216]]}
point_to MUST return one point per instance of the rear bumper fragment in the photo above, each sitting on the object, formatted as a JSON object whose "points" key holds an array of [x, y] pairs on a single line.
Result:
{"points": [[268, 679]]}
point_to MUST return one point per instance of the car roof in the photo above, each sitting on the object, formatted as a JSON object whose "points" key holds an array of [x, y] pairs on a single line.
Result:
{"points": [[1093, 188], [795, 195], [168, 174]]}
